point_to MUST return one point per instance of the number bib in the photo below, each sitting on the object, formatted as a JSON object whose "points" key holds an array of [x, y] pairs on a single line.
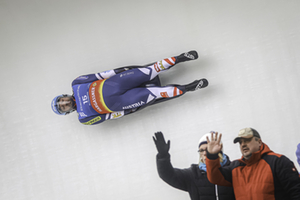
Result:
{"points": [[83, 102]]}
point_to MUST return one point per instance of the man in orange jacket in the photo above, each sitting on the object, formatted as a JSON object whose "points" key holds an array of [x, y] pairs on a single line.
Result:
{"points": [[260, 174]]}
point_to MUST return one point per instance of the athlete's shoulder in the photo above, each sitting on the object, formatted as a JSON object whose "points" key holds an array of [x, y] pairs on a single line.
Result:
{"points": [[84, 79]]}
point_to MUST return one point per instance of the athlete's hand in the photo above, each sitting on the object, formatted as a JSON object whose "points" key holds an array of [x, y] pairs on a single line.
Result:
{"points": [[161, 145], [214, 143]]}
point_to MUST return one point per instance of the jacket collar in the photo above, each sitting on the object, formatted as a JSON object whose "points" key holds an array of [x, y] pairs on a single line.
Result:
{"points": [[256, 156]]}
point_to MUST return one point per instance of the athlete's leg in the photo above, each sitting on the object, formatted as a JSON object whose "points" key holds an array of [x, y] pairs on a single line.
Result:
{"points": [[126, 80], [135, 77], [137, 97]]}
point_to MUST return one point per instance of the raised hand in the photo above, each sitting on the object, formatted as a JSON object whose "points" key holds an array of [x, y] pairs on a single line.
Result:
{"points": [[214, 143], [161, 145]]}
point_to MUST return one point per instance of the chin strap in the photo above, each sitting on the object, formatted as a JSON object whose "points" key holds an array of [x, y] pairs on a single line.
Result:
{"points": [[70, 111]]}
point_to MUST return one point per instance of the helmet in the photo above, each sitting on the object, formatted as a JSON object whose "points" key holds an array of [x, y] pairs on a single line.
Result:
{"points": [[55, 104]]}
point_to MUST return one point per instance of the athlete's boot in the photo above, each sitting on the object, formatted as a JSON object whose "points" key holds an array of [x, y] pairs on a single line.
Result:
{"points": [[191, 55], [197, 84]]}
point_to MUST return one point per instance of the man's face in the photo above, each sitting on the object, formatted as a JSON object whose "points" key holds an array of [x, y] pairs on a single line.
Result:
{"points": [[249, 146], [202, 151], [65, 104]]}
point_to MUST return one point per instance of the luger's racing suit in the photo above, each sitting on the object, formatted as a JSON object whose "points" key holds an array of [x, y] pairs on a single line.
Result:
{"points": [[115, 93]]}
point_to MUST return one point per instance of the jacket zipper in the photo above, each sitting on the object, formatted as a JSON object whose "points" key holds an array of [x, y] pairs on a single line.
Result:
{"points": [[217, 197]]}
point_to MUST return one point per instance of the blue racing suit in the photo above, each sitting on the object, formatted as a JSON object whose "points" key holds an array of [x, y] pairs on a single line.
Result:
{"points": [[115, 93]]}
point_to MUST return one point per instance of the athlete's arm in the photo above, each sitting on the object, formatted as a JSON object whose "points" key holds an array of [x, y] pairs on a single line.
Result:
{"points": [[112, 72], [92, 120], [98, 76], [97, 119], [89, 78]]}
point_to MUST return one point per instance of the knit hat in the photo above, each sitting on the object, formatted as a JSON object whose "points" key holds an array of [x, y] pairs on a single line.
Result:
{"points": [[246, 133], [203, 139]]}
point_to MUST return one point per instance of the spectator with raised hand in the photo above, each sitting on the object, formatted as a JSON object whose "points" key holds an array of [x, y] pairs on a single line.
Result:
{"points": [[193, 179], [260, 174]]}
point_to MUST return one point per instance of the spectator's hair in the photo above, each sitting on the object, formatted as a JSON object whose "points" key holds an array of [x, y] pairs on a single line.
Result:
{"points": [[220, 157]]}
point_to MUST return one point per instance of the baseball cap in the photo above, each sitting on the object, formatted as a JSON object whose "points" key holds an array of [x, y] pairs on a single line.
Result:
{"points": [[246, 133]]}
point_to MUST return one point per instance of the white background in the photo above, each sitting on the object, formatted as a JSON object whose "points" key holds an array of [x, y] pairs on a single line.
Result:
{"points": [[248, 50]]}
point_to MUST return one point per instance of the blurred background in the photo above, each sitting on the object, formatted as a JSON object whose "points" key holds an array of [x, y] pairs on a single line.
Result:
{"points": [[248, 50]]}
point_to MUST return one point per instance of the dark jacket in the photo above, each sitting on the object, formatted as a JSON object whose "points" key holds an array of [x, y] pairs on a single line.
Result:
{"points": [[192, 180], [266, 175]]}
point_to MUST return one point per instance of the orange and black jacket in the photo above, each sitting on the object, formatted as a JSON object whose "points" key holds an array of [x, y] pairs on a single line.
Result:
{"points": [[265, 176]]}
